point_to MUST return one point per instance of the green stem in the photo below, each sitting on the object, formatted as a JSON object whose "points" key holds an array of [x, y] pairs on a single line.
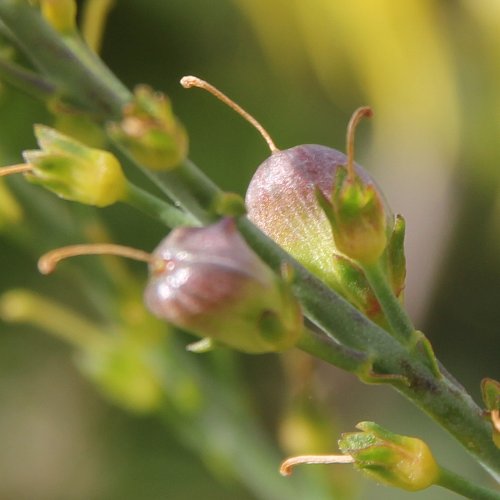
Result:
{"points": [[157, 208], [68, 62], [220, 426], [191, 189], [25, 80], [398, 319], [83, 77], [325, 348], [454, 482]]}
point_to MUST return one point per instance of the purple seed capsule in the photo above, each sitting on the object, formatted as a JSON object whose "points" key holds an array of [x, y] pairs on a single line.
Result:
{"points": [[281, 201], [300, 196], [208, 281]]}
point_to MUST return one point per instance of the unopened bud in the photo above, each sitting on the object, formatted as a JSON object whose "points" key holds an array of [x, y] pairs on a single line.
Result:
{"points": [[149, 131], [74, 171], [391, 459], [208, 281]]}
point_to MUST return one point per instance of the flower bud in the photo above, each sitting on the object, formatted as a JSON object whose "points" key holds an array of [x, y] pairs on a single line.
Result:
{"points": [[74, 171], [208, 281], [389, 458], [150, 132]]}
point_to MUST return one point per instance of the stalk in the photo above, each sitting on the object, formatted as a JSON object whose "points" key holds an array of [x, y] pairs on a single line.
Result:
{"points": [[451, 481], [397, 317], [157, 208]]}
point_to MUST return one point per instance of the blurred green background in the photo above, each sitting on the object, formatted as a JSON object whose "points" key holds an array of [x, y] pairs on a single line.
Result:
{"points": [[431, 72]]}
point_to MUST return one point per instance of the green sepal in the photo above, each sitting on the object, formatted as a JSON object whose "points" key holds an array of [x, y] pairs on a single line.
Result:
{"points": [[354, 286], [357, 217], [395, 256], [424, 348]]}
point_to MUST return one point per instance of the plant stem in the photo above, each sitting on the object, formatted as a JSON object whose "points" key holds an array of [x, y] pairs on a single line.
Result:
{"points": [[188, 186], [220, 427], [25, 80], [157, 208], [398, 319], [68, 63], [85, 79], [454, 482], [325, 348]]}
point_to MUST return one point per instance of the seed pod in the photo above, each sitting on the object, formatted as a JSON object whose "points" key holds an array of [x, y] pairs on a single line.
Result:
{"points": [[214, 285], [209, 281], [281, 200], [287, 199]]}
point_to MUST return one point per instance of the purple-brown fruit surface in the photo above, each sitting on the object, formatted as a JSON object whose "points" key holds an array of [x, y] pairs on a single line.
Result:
{"points": [[210, 282], [281, 200]]}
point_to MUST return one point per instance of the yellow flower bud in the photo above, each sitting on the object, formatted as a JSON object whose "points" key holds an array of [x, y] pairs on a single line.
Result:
{"points": [[391, 459], [74, 171]]}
